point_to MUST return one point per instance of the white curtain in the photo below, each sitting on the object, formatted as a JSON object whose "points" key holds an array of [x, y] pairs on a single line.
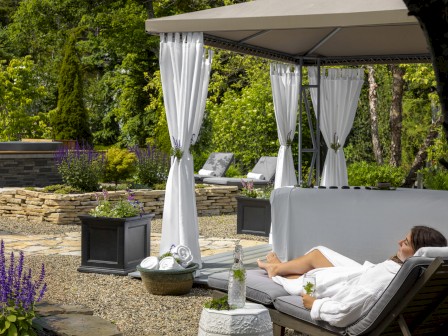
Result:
{"points": [[339, 95], [285, 91], [185, 71]]}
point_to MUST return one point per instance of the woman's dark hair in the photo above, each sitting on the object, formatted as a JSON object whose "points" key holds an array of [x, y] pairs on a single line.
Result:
{"points": [[422, 236]]}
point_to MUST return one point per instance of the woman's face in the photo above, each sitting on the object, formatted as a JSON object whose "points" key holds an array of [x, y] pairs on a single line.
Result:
{"points": [[405, 249]]}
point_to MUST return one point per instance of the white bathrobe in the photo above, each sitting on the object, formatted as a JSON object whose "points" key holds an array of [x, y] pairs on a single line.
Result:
{"points": [[344, 292]]}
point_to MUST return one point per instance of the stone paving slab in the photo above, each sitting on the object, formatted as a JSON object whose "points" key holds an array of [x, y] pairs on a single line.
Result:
{"points": [[70, 244], [77, 325], [48, 309]]}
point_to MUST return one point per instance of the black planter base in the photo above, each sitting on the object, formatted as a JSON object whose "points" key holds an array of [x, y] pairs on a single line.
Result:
{"points": [[104, 270], [253, 216], [114, 245]]}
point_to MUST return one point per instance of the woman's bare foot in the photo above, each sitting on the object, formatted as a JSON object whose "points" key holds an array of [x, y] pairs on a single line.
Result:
{"points": [[272, 258], [270, 268]]}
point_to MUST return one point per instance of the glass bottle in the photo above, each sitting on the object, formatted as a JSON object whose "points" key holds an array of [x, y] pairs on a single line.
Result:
{"points": [[237, 279]]}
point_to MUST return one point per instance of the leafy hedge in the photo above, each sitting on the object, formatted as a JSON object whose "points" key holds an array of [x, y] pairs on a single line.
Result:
{"points": [[369, 174]]}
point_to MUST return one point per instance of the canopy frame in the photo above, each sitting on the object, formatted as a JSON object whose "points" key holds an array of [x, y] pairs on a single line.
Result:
{"points": [[274, 55]]}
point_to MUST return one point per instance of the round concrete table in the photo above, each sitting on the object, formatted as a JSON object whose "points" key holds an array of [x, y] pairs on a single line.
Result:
{"points": [[253, 320]]}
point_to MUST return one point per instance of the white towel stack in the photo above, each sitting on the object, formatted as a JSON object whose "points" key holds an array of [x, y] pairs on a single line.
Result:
{"points": [[180, 253], [183, 253], [150, 263], [169, 263]]}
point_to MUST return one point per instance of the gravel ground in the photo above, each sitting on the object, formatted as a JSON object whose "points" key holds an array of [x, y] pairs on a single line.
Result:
{"points": [[211, 226], [123, 300]]}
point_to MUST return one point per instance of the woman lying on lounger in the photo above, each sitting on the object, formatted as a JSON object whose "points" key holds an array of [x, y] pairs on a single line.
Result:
{"points": [[345, 289]]}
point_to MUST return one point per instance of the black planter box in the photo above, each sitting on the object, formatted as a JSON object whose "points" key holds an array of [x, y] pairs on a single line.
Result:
{"points": [[114, 245], [253, 216]]}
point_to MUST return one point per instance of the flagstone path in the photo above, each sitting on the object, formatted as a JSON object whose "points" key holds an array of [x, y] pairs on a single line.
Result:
{"points": [[70, 244]]}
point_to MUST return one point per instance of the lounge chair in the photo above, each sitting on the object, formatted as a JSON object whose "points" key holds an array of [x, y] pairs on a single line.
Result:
{"points": [[262, 174], [215, 166], [414, 303]]}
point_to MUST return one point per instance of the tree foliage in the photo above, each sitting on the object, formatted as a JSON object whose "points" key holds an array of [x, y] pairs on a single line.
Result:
{"points": [[122, 92], [69, 120], [247, 113], [20, 94]]}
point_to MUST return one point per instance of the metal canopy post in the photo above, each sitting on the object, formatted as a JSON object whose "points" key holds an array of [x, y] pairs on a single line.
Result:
{"points": [[304, 93]]}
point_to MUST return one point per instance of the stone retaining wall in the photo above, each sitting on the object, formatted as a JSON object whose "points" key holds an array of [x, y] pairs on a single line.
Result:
{"points": [[64, 209]]}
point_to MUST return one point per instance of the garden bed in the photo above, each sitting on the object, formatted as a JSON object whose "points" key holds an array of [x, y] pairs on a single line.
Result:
{"points": [[64, 209]]}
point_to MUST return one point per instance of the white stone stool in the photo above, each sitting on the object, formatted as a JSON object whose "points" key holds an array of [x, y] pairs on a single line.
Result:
{"points": [[252, 320]]}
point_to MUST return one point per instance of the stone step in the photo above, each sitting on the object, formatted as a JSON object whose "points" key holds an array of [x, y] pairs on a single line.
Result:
{"points": [[71, 320]]}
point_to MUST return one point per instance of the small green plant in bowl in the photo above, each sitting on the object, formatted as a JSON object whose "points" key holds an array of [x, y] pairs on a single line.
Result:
{"points": [[221, 303]]}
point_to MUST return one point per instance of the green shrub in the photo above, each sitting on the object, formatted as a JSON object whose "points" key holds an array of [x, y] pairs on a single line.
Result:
{"points": [[159, 186], [369, 174], [199, 160], [234, 171], [120, 165], [120, 186], [80, 168], [61, 189], [436, 179], [152, 166]]}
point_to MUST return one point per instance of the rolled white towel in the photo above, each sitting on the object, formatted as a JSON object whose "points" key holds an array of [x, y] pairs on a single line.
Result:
{"points": [[255, 176], [206, 172], [150, 263], [169, 263], [184, 254]]}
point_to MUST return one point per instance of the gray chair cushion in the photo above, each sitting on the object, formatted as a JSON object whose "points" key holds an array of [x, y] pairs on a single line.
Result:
{"points": [[216, 162], [233, 181], [265, 166], [293, 306], [259, 288]]}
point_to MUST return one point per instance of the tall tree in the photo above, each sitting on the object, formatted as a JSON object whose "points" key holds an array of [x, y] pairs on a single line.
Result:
{"points": [[422, 154], [70, 119], [396, 114], [433, 18], [373, 109]]}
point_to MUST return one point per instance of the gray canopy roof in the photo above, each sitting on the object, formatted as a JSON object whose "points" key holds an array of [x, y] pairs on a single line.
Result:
{"points": [[335, 31]]}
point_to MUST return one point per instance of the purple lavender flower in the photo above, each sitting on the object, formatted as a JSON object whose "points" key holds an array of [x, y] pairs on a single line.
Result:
{"points": [[17, 288], [130, 195]]}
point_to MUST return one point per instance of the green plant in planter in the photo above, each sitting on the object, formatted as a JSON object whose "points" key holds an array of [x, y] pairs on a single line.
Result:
{"points": [[248, 190], [123, 208]]}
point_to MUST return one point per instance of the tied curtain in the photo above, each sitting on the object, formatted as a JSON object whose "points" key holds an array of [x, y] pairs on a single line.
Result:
{"points": [[285, 91], [185, 71], [339, 95]]}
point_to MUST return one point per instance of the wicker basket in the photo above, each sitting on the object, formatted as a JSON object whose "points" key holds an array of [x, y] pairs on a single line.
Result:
{"points": [[168, 282]]}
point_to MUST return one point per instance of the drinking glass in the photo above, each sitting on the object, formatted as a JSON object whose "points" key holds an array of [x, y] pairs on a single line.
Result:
{"points": [[309, 284]]}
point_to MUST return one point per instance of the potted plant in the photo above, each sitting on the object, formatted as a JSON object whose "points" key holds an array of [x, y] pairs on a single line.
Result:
{"points": [[254, 210], [115, 237]]}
